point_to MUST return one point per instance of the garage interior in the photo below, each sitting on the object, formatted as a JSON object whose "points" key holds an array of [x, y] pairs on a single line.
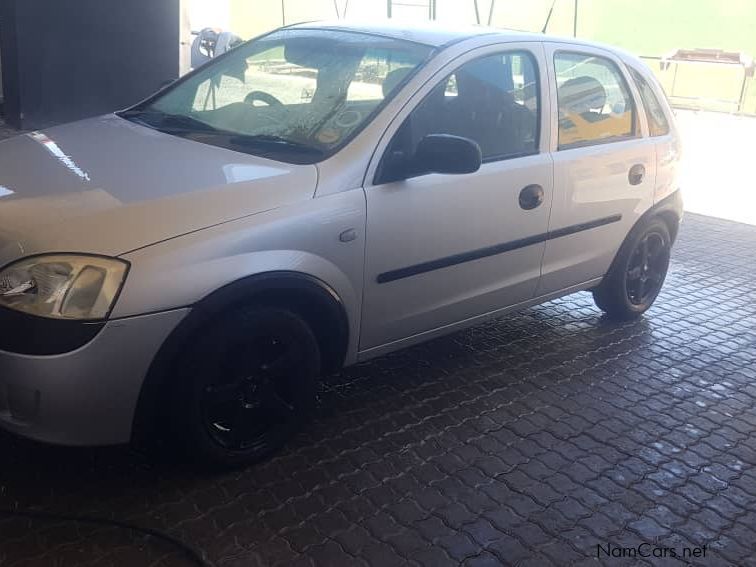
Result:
{"points": [[539, 439]]}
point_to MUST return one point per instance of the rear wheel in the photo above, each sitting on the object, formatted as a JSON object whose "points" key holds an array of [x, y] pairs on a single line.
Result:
{"points": [[638, 272], [246, 383]]}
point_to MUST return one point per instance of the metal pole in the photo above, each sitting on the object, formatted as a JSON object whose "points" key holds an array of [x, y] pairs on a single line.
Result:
{"points": [[490, 12], [477, 13], [283, 12], [388, 8], [346, 5], [743, 88], [574, 22], [336, 7], [674, 80]]}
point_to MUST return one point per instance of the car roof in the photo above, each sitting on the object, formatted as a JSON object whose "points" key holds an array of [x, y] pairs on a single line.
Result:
{"points": [[432, 34], [439, 35]]}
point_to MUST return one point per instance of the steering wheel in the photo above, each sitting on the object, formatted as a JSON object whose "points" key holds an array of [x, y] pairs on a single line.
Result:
{"points": [[267, 98]]}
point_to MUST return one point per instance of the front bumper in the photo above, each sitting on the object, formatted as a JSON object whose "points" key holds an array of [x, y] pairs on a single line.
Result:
{"points": [[87, 396]]}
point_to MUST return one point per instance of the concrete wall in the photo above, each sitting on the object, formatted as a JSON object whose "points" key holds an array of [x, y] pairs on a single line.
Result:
{"points": [[65, 60]]}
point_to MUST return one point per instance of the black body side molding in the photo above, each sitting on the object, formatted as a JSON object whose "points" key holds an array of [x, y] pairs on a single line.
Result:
{"points": [[494, 250]]}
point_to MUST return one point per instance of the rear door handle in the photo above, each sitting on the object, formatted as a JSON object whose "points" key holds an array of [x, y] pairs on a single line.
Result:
{"points": [[636, 174], [531, 197]]}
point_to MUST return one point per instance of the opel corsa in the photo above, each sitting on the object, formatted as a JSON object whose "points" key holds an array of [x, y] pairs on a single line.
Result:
{"points": [[316, 197]]}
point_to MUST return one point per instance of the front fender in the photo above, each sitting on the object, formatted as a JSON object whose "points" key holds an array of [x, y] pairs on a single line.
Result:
{"points": [[159, 285], [302, 239]]}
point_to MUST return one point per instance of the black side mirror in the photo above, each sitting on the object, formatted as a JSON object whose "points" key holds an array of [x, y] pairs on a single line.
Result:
{"points": [[444, 153], [435, 153]]}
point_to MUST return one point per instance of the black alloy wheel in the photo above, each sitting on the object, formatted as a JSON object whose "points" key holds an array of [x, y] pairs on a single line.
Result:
{"points": [[647, 268], [638, 272], [247, 383], [252, 401]]}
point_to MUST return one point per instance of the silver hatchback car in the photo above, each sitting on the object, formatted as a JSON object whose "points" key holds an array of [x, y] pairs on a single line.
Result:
{"points": [[318, 196]]}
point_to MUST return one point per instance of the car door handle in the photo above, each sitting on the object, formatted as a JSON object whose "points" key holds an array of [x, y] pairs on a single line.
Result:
{"points": [[636, 174], [531, 197]]}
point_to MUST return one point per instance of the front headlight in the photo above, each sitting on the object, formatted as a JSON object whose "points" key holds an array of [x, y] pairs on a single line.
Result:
{"points": [[63, 286]]}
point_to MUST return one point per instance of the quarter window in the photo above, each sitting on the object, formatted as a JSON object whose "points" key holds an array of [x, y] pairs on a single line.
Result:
{"points": [[657, 120], [595, 105], [493, 100]]}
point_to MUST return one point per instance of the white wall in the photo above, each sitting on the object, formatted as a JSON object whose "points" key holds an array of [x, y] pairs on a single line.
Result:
{"points": [[209, 14]]}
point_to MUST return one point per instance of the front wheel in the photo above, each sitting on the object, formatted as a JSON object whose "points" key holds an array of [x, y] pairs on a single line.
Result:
{"points": [[245, 384], [637, 274]]}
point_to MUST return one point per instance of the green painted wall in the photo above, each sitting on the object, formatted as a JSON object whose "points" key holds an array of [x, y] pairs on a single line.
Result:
{"points": [[656, 27]]}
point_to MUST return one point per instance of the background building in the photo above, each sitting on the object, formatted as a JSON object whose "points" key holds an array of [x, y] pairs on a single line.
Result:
{"points": [[57, 65], [640, 26]]}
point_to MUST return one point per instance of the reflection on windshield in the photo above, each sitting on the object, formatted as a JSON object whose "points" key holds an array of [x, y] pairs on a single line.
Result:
{"points": [[295, 95]]}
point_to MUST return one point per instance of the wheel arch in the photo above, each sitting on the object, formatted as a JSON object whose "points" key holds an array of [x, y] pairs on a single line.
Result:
{"points": [[310, 297], [671, 220], [669, 210]]}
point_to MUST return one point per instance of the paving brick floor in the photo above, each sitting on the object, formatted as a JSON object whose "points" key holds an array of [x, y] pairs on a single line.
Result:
{"points": [[530, 441]]}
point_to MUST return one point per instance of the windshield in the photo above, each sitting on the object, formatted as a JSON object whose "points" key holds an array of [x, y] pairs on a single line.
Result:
{"points": [[295, 95]]}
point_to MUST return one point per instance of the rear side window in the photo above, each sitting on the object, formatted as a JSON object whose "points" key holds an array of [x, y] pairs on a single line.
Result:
{"points": [[657, 120], [595, 105]]}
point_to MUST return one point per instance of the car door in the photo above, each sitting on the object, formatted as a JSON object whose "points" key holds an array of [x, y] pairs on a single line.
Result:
{"points": [[661, 129], [604, 164], [442, 249]]}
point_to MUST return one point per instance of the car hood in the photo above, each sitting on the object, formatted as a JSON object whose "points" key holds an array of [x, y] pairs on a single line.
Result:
{"points": [[108, 186]]}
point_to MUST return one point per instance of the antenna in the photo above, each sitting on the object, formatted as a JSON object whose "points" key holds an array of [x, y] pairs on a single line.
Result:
{"points": [[548, 18]]}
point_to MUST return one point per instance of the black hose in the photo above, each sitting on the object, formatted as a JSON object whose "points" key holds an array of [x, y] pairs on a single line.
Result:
{"points": [[192, 555]]}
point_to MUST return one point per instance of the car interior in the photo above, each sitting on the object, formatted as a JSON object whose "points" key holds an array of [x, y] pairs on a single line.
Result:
{"points": [[479, 102], [337, 98], [584, 112]]}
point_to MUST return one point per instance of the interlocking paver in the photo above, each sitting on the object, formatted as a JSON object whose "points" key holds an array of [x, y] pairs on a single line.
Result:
{"points": [[527, 440]]}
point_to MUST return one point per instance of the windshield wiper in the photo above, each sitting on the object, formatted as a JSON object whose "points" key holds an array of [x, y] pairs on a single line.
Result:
{"points": [[186, 126], [270, 140], [167, 122]]}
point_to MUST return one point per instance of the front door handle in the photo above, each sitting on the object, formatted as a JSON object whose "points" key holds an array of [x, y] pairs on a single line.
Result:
{"points": [[531, 197], [636, 174]]}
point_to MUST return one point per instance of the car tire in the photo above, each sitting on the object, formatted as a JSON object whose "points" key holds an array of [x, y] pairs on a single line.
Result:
{"points": [[246, 383], [638, 272]]}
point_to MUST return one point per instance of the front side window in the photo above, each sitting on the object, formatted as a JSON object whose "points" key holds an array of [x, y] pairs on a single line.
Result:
{"points": [[657, 120], [295, 95], [595, 105], [492, 100]]}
